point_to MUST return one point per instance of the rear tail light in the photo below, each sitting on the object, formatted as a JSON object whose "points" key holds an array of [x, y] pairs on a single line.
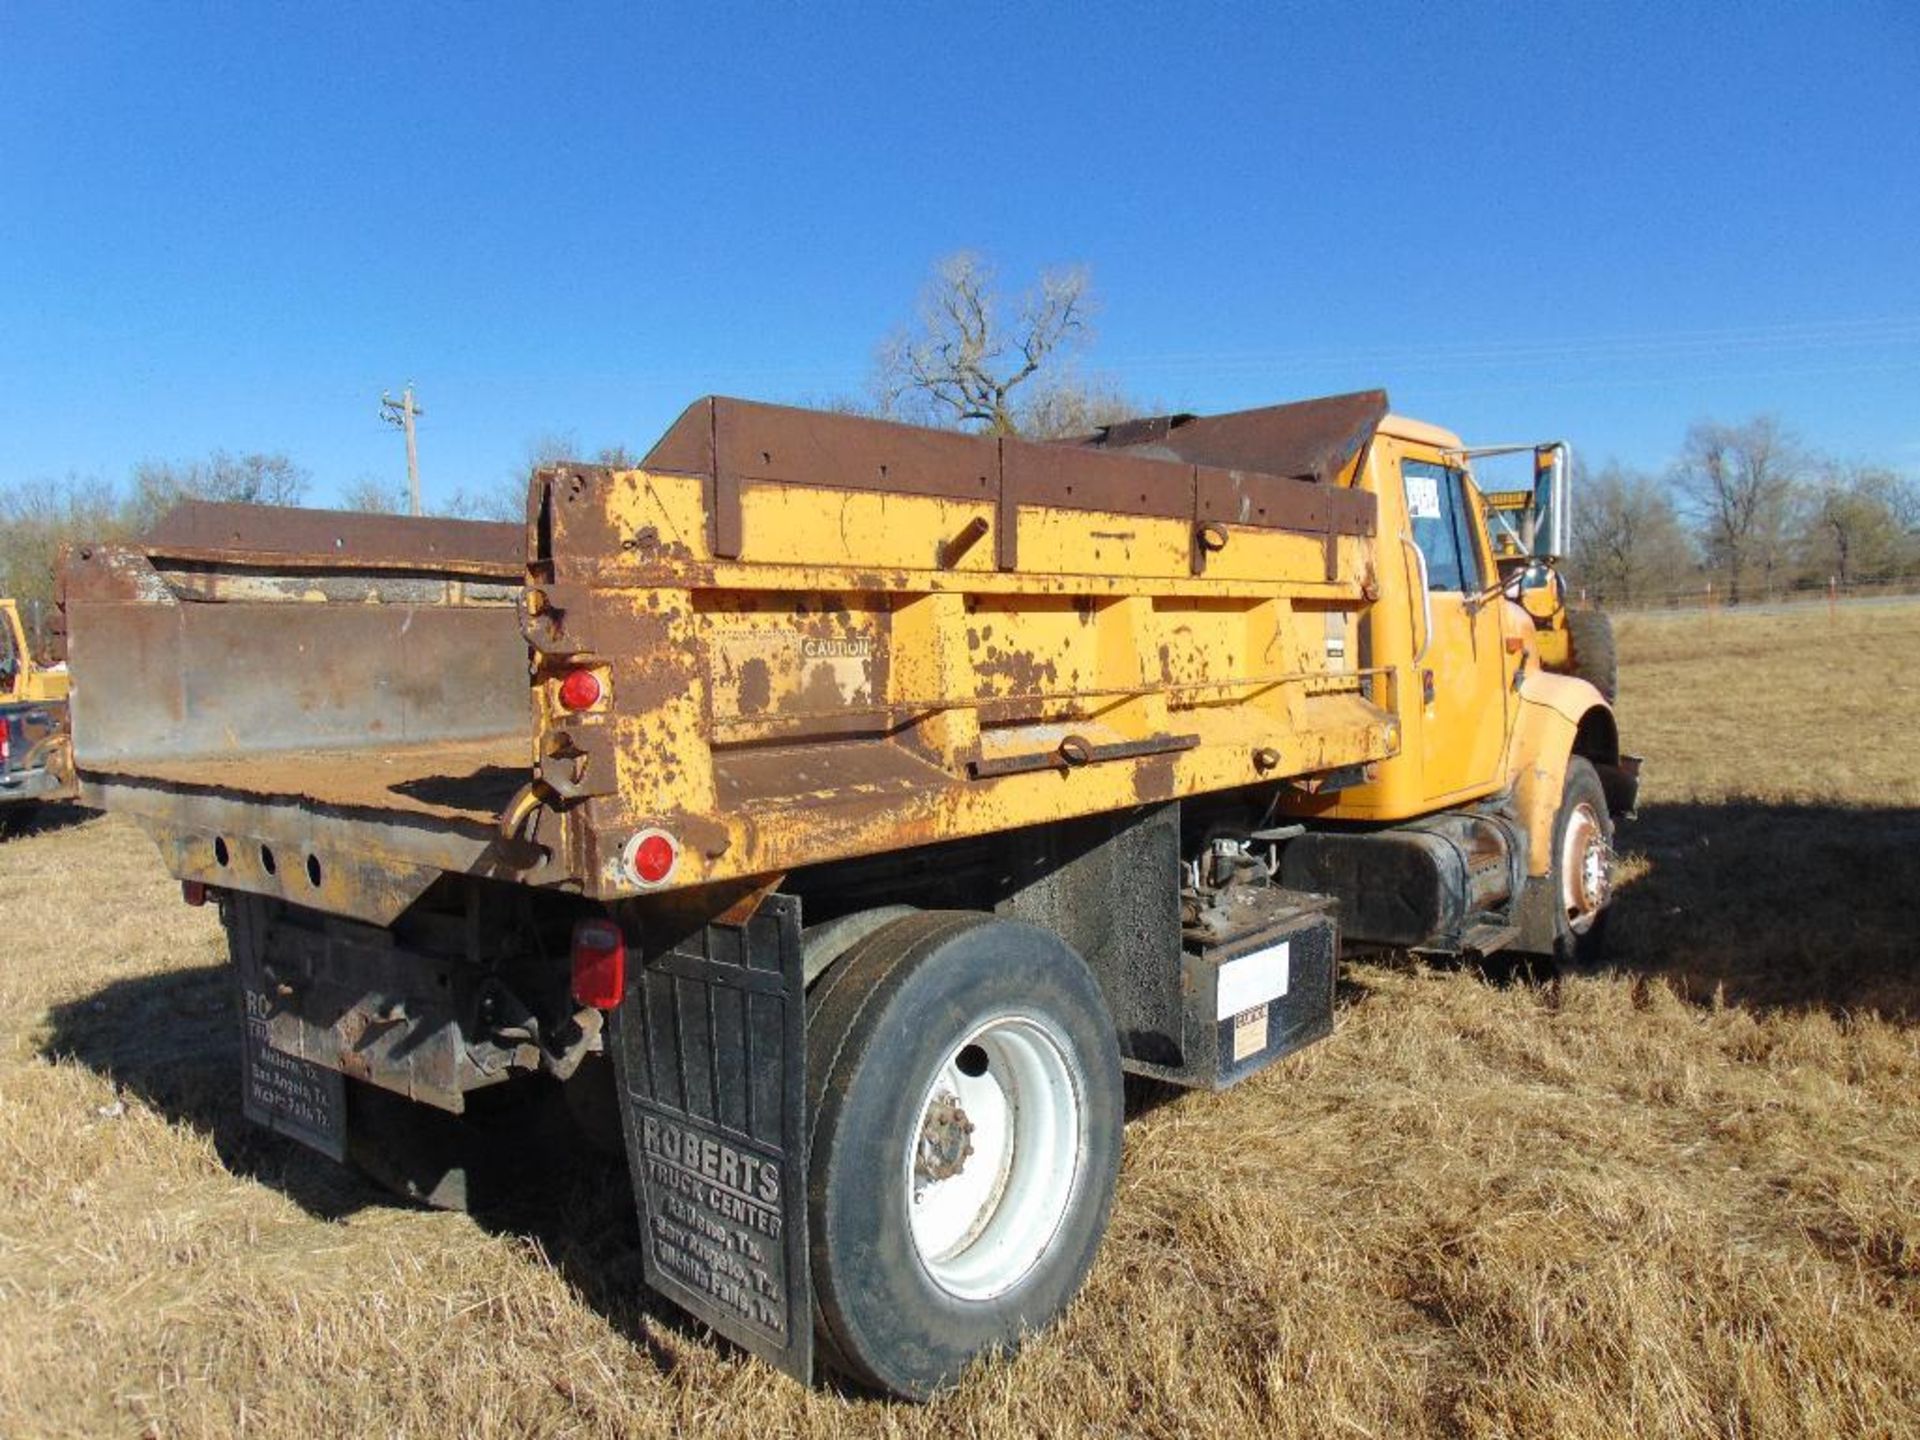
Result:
{"points": [[580, 690], [194, 892], [599, 963]]}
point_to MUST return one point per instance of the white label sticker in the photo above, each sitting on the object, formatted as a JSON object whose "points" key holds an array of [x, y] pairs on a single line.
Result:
{"points": [[1249, 1033], [1423, 497], [1251, 980]]}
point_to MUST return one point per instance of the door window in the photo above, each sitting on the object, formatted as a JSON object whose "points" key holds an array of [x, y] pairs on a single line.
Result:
{"points": [[1436, 506]]}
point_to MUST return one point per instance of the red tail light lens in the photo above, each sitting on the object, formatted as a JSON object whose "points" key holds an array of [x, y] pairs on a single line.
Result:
{"points": [[194, 892], [649, 857], [599, 963], [580, 690]]}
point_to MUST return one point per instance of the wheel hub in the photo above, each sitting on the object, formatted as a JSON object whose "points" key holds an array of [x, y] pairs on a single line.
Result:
{"points": [[1586, 868], [991, 1163], [946, 1140]]}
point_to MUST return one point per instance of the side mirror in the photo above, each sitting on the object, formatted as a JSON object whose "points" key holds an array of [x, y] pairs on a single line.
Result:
{"points": [[1552, 502]]}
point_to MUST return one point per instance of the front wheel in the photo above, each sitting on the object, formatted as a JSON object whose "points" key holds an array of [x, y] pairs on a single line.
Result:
{"points": [[966, 1098], [1582, 865]]}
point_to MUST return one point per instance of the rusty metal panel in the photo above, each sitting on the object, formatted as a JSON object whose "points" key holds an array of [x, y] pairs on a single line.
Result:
{"points": [[687, 447], [1075, 478], [1352, 512], [159, 678], [1238, 497], [336, 538], [1308, 440], [210, 681], [776, 443]]}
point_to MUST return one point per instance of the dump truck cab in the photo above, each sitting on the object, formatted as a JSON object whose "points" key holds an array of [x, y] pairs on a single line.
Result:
{"points": [[1490, 727]]}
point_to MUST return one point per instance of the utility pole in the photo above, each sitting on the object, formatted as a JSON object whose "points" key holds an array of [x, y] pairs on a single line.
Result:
{"points": [[403, 412]]}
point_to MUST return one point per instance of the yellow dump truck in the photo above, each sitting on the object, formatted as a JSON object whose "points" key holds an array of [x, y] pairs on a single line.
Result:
{"points": [[34, 763], [840, 809]]}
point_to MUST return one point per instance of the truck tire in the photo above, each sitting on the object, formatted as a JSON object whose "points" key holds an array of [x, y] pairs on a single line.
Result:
{"points": [[1590, 650], [965, 1094], [1582, 872]]}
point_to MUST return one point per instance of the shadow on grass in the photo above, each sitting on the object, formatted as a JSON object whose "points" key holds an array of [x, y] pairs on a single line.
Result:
{"points": [[23, 821], [1776, 907], [172, 1041]]}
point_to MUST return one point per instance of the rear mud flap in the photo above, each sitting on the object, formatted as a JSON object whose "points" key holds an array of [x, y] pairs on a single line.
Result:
{"points": [[709, 1054]]}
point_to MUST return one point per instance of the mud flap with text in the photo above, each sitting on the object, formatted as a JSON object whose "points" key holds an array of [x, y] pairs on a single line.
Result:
{"points": [[709, 1052]]}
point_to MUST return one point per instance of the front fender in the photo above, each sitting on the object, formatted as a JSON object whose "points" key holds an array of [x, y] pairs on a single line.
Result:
{"points": [[1559, 716]]}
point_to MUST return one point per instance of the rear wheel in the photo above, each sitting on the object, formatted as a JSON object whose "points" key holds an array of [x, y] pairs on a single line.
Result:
{"points": [[966, 1097], [1590, 650], [1582, 865]]}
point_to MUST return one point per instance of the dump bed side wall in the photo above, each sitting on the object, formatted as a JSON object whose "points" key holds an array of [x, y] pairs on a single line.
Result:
{"points": [[920, 636]]}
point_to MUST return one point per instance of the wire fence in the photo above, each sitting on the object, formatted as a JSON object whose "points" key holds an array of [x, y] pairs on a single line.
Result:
{"points": [[1712, 595]]}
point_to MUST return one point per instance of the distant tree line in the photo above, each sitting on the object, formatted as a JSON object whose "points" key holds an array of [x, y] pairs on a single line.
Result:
{"points": [[1748, 510], [37, 518]]}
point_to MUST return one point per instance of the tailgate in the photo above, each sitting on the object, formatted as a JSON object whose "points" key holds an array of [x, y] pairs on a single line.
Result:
{"points": [[327, 707]]}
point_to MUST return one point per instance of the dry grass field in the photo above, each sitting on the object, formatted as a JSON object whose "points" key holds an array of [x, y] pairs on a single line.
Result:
{"points": [[1679, 1198]]}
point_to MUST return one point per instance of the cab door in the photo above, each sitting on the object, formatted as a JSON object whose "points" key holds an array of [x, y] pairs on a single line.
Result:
{"points": [[1459, 670]]}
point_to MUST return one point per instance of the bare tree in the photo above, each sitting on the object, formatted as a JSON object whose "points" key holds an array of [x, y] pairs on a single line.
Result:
{"points": [[372, 495], [1738, 483], [1858, 522], [1628, 544], [1069, 405], [974, 359], [256, 479]]}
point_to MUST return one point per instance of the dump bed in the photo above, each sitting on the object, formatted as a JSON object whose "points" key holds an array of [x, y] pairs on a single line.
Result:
{"points": [[809, 637]]}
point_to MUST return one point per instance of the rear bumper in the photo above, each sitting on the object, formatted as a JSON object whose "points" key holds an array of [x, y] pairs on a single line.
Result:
{"points": [[38, 783]]}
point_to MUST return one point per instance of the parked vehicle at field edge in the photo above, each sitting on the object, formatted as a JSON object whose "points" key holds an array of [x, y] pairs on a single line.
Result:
{"points": [[34, 763], [839, 809]]}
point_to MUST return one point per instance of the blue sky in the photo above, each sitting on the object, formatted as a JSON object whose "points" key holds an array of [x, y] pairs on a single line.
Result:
{"points": [[234, 226]]}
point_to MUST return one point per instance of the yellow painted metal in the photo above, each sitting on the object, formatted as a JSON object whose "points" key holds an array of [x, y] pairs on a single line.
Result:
{"points": [[852, 686], [1451, 672], [23, 681], [1495, 724], [1551, 708]]}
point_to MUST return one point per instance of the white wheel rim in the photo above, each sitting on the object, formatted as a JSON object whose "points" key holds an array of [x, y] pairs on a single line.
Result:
{"points": [[1586, 868], [993, 1156]]}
